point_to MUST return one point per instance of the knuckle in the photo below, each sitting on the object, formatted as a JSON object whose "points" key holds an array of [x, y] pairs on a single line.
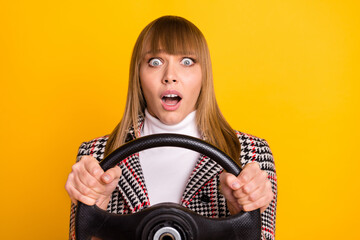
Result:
{"points": [[264, 175], [86, 191], [70, 176], [75, 167], [69, 191], [76, 196], [268, 184], [244, 178], [247, 208], [247, 189], [256, 205], [96, 170], [70, 179], [271, 196], [254, 165], [253, 197], [92, 183], [86, 157], [67, 186], [83, 199], [265, 202], [236, 194], [268, 187]]}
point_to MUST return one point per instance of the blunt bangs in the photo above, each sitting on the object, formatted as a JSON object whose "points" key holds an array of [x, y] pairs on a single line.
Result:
{"points": [[173, 35]]}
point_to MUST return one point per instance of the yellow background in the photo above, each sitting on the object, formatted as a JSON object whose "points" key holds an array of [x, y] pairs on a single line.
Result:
{"points": [[286, 71]]}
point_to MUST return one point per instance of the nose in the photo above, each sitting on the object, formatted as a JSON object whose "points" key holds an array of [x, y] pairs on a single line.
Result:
{"points": [[170, 74], [167, 81]]}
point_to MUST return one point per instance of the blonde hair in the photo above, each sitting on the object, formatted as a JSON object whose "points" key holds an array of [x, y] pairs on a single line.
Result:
{"points": [[175, 35]]}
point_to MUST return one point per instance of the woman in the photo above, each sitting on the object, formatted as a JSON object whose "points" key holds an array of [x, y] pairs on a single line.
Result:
{"points": [[171, 90]]}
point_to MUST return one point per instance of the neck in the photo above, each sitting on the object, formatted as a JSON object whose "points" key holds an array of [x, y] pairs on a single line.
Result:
{"points": [[187, 126]]}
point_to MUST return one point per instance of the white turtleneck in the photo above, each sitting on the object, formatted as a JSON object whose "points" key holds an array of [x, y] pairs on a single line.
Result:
{"points": [[167, 169]]}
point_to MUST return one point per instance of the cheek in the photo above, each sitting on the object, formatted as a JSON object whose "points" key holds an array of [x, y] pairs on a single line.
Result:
{"points": [[150, 93], [197, 81], [146, 89], [195, 87], [145, 83]]}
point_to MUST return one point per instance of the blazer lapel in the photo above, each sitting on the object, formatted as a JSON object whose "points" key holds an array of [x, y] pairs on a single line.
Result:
{"points": [[132, 183], [205, 170]]}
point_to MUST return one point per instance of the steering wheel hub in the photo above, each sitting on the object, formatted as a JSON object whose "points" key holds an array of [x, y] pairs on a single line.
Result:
{"points": [[167, 224]]}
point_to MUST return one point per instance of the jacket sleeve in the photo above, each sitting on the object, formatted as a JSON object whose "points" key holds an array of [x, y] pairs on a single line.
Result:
{"points": [[82, 152], [256, 149], [269, 215], [95, 148]]}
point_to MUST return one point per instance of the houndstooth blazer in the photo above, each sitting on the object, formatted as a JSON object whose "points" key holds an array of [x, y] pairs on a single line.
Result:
{"points": [[201, 194]]}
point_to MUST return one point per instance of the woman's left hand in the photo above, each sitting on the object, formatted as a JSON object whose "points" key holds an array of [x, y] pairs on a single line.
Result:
{"points": [[249, 191]]}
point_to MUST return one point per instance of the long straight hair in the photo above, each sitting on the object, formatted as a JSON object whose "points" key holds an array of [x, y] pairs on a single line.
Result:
{"points": [[175, 35]]}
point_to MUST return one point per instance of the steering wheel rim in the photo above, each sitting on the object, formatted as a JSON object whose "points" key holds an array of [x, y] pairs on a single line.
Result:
{"points": [[88, 217]]}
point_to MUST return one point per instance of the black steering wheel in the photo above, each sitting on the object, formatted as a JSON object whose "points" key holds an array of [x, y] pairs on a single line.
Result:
{"points": [[166, 221]]}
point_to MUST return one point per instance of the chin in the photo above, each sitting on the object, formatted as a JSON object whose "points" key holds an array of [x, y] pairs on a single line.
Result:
{"points": [[171, 120]]}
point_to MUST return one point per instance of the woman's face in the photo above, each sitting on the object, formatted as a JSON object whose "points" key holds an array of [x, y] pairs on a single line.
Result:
{"points": [[171, 85]]}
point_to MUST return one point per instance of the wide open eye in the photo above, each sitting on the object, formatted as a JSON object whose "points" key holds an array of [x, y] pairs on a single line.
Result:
{"points": [[155, 62], [187, 61]]}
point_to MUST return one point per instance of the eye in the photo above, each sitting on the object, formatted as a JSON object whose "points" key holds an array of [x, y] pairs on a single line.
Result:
{"points": [[155, 62], [187, 61]]}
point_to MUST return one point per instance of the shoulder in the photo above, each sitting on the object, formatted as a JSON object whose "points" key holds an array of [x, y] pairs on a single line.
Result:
{"points": [[254, 149], [94, 147], [248, 139]]}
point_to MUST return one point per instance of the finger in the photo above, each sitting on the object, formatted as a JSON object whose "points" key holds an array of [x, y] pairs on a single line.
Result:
{"points": [[95, 191], [81, 178], [227, 191], [87, 179], [68, 189], [249, 172], [230, 180], [90, 172], [258, 182], [260, 203], [111, 174], [262, 209], [78, 196], [93, 167], [252, 197], [103, 202]]}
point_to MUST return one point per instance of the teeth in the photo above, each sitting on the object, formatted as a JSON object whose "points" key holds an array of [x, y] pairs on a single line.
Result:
{"points": [[171, 95]]}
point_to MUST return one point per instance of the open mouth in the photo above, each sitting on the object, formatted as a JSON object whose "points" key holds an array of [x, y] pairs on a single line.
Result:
{"points": [[171, 99]]}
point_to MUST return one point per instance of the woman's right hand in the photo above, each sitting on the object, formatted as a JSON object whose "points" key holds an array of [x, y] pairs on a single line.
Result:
{"points": [[89, 184]]}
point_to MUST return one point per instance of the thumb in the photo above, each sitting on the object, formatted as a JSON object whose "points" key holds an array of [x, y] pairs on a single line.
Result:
{"points": [[228, 184], [111, 174], [232, 181]]}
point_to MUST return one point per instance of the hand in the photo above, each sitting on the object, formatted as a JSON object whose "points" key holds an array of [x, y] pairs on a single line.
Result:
{"points": [[89, 184], [249, 191]]}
